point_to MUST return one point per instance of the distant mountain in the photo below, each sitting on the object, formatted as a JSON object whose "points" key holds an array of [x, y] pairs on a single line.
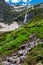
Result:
{"points": [[6, 8], [3, 7]]}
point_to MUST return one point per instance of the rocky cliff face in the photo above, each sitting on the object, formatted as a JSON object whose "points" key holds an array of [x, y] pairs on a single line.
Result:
{"points": [[41, 5], [3, 7]]}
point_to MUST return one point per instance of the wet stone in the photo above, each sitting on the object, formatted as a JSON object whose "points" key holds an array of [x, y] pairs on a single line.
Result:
{"points": [[14, 57], [14, 54], [12, 64], [5, 63], [20, 51], [25, 52], [18, 61], [33, 37], [22, 58], [28, 45], [28, 49]]}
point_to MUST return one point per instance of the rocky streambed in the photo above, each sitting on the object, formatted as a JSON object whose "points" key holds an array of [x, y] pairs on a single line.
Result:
{"points": [[18, 57]]}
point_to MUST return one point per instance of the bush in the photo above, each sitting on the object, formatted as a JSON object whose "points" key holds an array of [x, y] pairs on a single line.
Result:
{"points": [[39, 57]]}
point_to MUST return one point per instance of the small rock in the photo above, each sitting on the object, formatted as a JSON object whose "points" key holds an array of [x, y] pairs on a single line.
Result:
{"points": [[14, 54], [25, 52], [12, 60], [22, 58], [20, 51], [14, 57], [28, 49], [5, 63], [32, 36], [12, 64], [18, 61], [28, 45]]}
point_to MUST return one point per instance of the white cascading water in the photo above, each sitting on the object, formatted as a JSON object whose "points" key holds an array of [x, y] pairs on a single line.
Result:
{"points": [[25, 19]]}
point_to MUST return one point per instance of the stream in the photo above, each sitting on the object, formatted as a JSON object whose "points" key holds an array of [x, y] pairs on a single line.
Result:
{"points": [[25, 19], [18, 57]]}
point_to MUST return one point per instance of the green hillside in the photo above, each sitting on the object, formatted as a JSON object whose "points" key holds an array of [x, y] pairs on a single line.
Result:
{"points": [[10, 41]]}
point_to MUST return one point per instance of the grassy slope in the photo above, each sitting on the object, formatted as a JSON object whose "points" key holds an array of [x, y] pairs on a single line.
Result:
{"points": [[35, 56], [11, 41]]}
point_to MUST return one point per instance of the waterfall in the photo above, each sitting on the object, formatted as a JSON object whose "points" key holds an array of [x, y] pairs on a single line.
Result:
{"points": [[25, 19]]}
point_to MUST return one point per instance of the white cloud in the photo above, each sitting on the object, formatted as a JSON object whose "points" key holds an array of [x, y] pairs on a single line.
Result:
{"points": [[14, 1], [17, 1], [24, 0], [7, 0], [29, 4]]}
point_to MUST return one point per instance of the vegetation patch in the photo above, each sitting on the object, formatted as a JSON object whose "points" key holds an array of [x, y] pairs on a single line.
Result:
{"points": [[35, 56], [10, 41]]}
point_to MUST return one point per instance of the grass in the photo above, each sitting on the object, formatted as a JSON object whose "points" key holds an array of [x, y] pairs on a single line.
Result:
{"points": [[10, 41], [0, 64]]}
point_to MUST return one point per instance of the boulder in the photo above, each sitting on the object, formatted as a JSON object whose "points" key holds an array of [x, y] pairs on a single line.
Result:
{"points": [[5, 63], [11, 60], [20, 51]]}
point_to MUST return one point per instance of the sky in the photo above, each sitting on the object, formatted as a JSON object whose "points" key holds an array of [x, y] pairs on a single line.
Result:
{"points": [[23, 1]]}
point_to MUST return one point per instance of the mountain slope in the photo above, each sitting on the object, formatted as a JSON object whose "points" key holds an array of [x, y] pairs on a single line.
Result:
{"points": [[35, 56], [11, 41], [5, 10]]}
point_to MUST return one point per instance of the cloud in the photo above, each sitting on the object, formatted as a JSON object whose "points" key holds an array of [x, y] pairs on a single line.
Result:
{"points": [[7, 0], [18, 1], [14, 1], [27, 0], [24, 0]]}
